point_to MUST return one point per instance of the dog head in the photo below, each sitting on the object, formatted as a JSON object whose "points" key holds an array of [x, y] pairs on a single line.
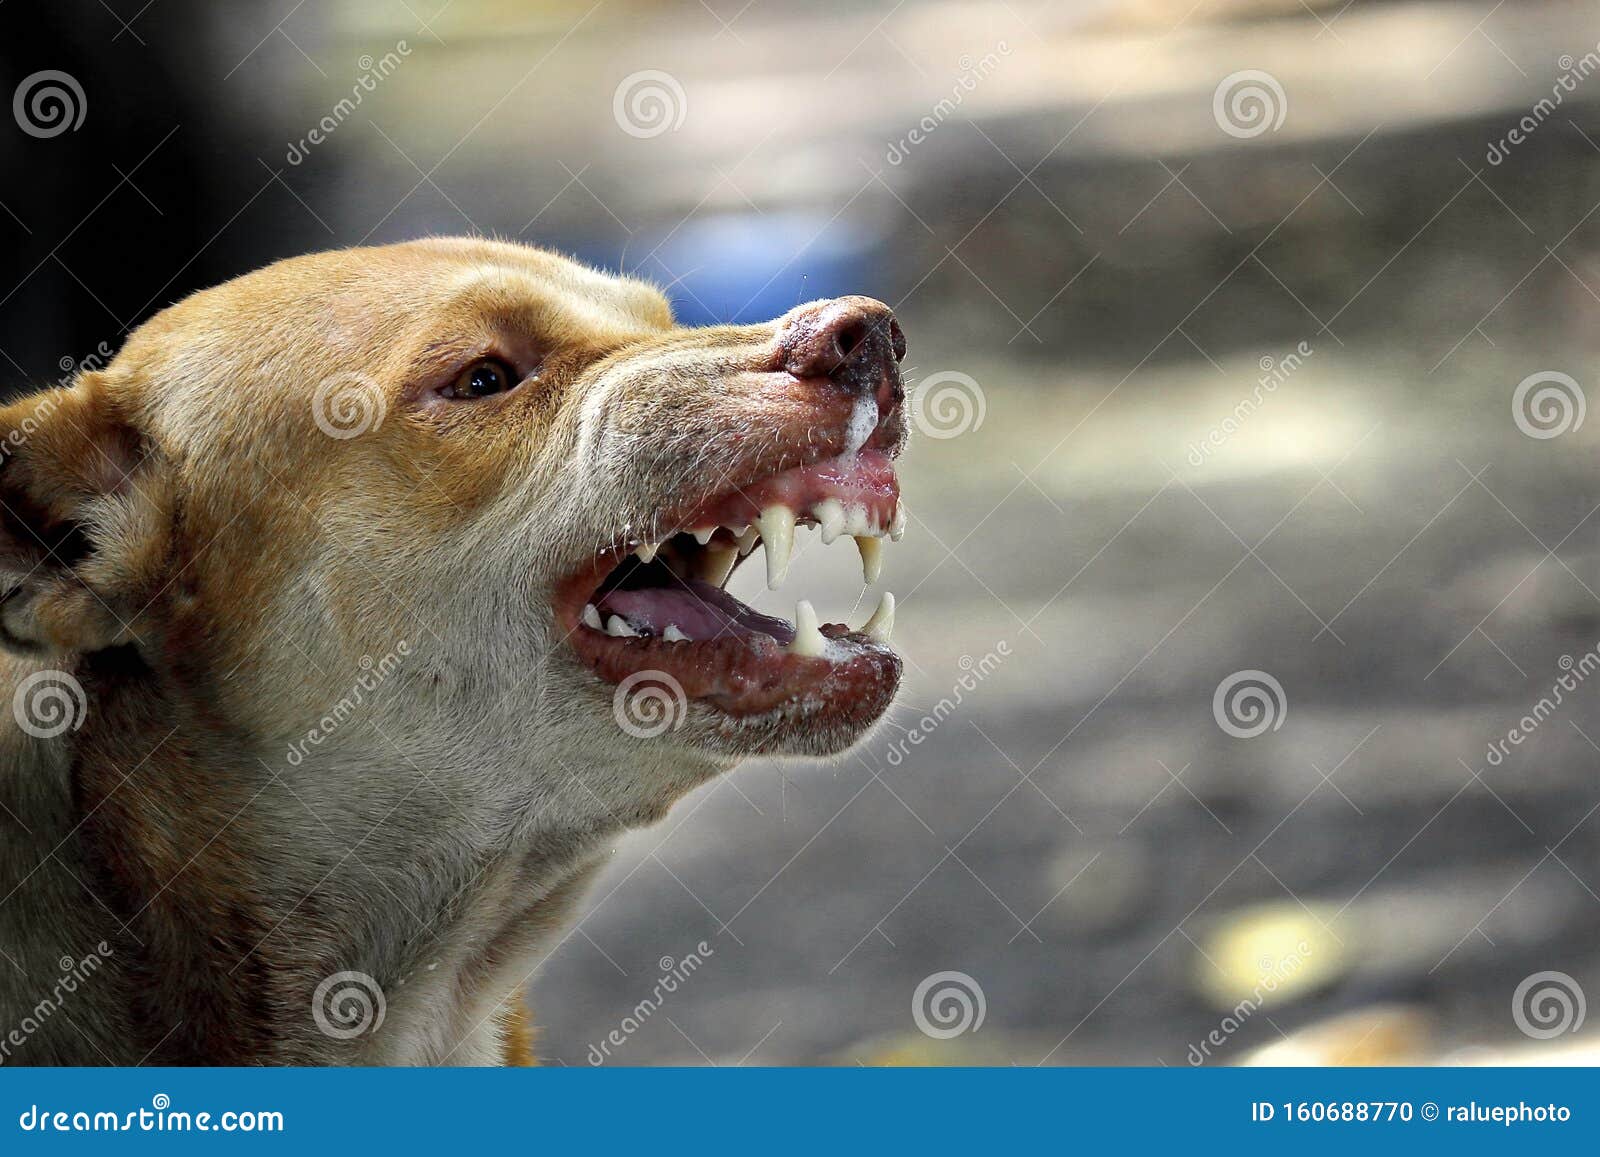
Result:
{"points": [[513, 478]]}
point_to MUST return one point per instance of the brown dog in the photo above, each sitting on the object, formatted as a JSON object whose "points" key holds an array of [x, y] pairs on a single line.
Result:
{"points": [[359, 601]]}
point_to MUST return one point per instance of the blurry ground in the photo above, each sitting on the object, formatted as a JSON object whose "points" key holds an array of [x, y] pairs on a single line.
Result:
{"points": [[1113, 271]]}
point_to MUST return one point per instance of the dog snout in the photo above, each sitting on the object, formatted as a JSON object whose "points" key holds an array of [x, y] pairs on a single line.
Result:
{"points": [[853, 342]]}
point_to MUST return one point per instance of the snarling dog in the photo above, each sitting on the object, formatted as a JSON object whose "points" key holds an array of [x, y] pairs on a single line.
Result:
{"points": [[359, 603]]}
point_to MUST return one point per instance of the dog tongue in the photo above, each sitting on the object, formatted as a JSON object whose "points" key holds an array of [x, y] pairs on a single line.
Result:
{"points": [[698, 609]]}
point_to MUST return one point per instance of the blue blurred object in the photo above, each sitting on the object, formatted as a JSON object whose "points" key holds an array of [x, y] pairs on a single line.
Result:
{"points": [[749, 267]]}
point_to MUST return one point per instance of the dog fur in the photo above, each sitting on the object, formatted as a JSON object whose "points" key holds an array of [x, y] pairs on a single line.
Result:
{"points": [[229, 584]]}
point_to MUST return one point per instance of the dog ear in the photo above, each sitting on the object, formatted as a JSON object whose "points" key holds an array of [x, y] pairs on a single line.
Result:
{"points": [[83, 526]]}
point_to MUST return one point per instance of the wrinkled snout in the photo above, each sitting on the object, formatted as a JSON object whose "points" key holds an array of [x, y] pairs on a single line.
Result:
{"points": [[853, 343]]}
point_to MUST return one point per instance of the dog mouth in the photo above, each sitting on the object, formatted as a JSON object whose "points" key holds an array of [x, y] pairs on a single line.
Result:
{"points": [[654, 609]]}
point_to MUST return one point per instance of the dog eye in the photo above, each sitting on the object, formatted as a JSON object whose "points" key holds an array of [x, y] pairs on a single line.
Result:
{"points": [[480, 379]]}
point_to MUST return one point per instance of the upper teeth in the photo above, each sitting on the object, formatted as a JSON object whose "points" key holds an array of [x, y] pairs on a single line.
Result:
{"points": [[777, 536], [776, 527]]}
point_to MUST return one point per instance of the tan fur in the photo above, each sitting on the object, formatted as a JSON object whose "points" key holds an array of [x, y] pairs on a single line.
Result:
{"points": [[182, 538]]}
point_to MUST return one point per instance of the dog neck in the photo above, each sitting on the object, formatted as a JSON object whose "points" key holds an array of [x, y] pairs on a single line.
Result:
{"points": [[241, 910]]}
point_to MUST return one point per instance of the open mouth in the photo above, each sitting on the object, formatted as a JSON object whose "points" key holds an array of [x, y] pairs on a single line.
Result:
{"points": [[663, 607]]}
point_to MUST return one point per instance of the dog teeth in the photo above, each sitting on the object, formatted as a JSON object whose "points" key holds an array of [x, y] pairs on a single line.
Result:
{"points": [[776, 526], [829, 514], [717, 563], [879, 627], [591, 617], [748, 537], [673, 635], [871, 557], [897, 525], [619, 628], [808, 638], [647, 552], [704, 536]]}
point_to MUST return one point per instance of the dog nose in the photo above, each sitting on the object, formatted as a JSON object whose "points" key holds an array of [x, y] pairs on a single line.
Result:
{"points": [[854, 342]]}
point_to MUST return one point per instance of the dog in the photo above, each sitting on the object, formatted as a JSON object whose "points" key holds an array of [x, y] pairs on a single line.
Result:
{"points": [[354, 609]]}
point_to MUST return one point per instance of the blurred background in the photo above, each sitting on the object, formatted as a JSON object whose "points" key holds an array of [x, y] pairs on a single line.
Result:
{"points": [[1251, 584]]}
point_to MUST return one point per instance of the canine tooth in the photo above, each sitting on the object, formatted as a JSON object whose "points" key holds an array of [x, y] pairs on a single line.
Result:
{"points": [[591, 617], [747, 539], [808, 638], [620, 628], [647, 552], [717, 564], [830, 517], [879, 627], [871, 557], [673, 635], [776, 525], [704, 536], [897, 525]]}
